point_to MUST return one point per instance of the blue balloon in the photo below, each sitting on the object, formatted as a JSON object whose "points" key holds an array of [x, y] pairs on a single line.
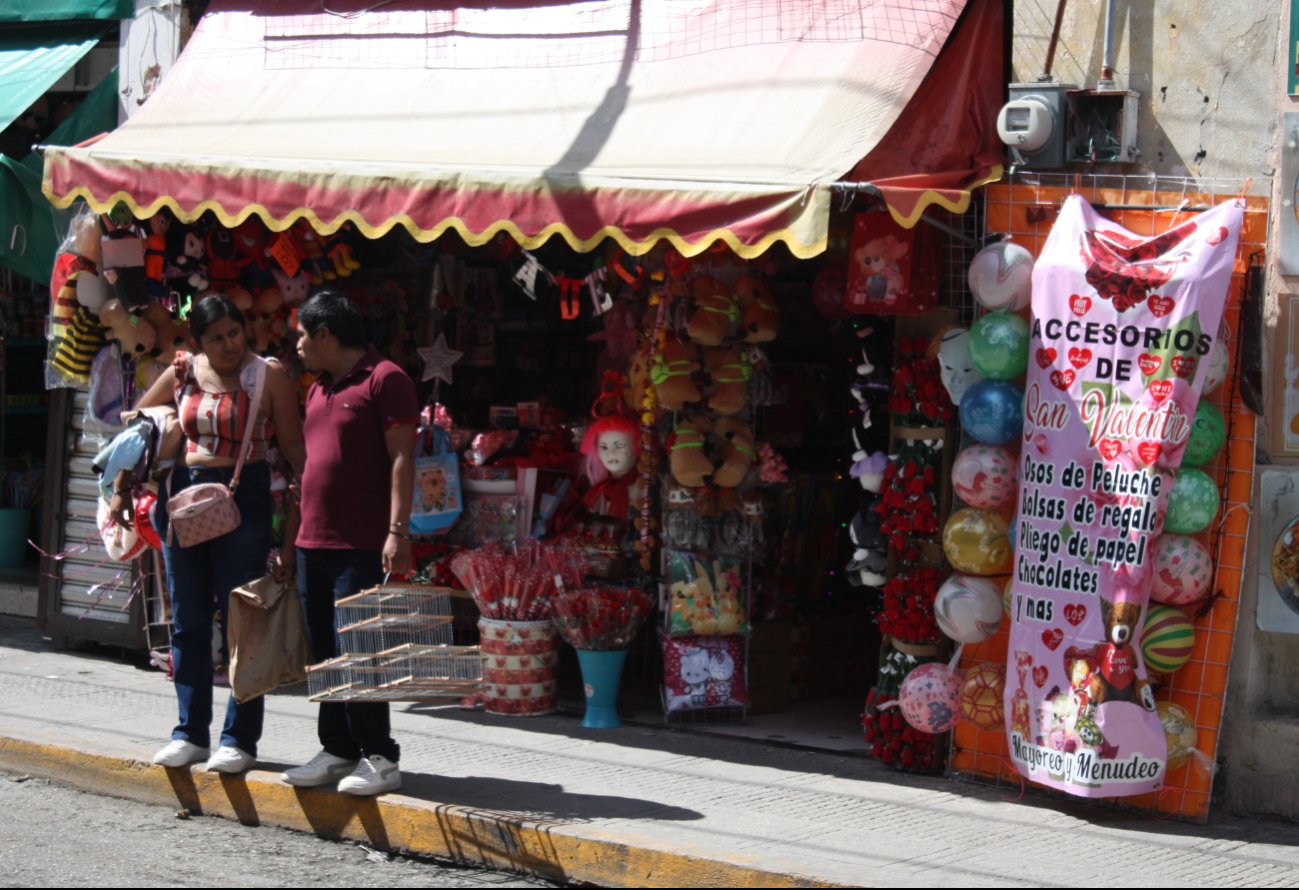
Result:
{"points": [[992, 412]]}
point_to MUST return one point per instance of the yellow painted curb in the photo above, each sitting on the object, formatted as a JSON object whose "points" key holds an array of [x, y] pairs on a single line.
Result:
{"points": [[558, 851]]}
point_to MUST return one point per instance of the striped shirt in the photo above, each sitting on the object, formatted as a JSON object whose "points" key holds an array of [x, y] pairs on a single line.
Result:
{"points": [[213, 422]]}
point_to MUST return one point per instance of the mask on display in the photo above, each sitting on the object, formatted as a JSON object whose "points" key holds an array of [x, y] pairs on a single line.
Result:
{"points": [[955, 367], [616, 452]]}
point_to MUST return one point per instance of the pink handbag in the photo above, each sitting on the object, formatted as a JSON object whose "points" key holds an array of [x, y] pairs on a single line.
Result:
{"points": [[206, 511]]}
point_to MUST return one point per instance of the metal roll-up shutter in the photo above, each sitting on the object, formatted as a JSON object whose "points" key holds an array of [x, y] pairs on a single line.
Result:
{"points": [[84, 594]]}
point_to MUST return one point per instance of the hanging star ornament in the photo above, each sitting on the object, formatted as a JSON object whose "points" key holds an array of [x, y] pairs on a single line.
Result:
{"points": [[438, 359]]}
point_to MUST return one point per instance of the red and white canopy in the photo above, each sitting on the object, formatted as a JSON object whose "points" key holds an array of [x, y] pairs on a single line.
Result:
{"points": [[639, 120]]}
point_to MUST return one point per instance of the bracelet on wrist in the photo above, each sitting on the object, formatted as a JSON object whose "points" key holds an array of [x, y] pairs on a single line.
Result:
{"points": [[397, 534]]}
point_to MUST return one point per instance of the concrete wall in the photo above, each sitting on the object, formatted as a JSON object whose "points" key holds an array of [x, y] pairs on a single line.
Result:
{"points": [[1206, 71], [1213, 86]]}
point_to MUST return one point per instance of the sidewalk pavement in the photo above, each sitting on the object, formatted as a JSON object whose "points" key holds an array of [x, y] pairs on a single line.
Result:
{"points": [[638, 806]]}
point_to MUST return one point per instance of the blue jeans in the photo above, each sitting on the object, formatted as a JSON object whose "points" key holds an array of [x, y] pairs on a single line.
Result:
{"points": [[200, 579], [346, 729]]}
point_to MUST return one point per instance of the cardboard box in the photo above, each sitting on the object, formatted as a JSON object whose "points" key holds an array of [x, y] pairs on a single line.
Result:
{"points": [[769, 660]]}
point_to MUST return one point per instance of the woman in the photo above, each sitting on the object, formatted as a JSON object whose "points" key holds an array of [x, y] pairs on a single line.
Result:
{"points": [[211, 392]]}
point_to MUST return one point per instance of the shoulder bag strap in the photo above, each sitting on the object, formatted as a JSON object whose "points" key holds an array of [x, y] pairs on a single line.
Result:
{"points": [[254, 412]]}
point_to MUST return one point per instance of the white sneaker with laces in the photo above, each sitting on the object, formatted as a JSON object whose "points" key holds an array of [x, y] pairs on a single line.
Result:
{"points": [[230, 760], [323, 769], [179, 752], [374, 774]]}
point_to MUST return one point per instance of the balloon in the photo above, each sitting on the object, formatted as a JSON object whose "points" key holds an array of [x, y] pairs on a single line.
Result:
{"points": [[968, 608], [992, 412], [982, 695], [999, 345], [986, 476], [1166, 639], [1219, 367], [977, 542], [930, 697], [1192, 504], [1208, 432], [1183, 570], [1179, 731], [1001, 277]]}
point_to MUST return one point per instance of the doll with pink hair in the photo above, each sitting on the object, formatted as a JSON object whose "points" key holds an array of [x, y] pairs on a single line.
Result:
{"points": [[611, 447]]}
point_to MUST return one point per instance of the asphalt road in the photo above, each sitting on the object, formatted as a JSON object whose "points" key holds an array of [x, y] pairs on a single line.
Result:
{"points": [[55, 836]]}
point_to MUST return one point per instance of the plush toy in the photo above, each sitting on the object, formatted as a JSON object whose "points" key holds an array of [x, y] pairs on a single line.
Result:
{"points": [[729, 371], [712, 313], [250, 242], [135, 336], [736, 451], [340, 253], [224, 261], [687, 460], [266, 319], [681, 520], [188, 271], [1115, 678], [293, 290], [759, 317], [672, 374], [241, 297], [155, 255], [170, 334], [311, 245]]}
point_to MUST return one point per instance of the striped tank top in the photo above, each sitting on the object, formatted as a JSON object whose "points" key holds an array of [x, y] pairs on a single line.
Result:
{"points": [[213, 422]]}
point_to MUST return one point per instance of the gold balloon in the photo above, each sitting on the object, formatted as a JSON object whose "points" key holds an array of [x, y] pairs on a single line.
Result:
{"points": [[982, 691], [977, 542], [1179, 730]]}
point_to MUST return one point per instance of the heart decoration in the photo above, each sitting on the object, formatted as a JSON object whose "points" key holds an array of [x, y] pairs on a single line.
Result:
{"points": [[525, 691], [1149, 452], [1080, 305], [1040, 674], [1217, 236], [1062, 380], [1074, 613], [1079, 357], [1161, 389], [1184, 366], [1052, 639], [1110, 448], [1149, 363], [500, 661], [1045, 357], [525, 660], [1160, 306], [1039, 442]]}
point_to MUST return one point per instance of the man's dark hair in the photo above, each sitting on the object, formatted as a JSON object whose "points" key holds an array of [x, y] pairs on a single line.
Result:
{"points": [[332, 310]]}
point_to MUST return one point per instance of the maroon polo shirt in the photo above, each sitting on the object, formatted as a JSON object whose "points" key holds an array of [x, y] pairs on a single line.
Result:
{"points": [[348, 475]]}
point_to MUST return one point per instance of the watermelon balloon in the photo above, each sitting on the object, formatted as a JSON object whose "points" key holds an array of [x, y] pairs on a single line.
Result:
{"points": [[1167, 639], [986, 476]]}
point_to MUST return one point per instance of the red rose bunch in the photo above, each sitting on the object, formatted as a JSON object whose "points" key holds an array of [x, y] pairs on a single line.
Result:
{"points": [[918, 397], [600, 618], [908, 501], [908, 610], [892, 740]]}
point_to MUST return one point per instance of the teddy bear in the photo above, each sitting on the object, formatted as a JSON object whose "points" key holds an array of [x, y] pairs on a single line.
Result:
{"points": [[1057, 722], [188, 270], [266, 320], [1115, 677], [687, 460], [712, 313], [735, 453], [169, 333], [879, 277], [1019, 708], [759, 317], [672, 373], [729, 373], [241, 297], [135, 336]]}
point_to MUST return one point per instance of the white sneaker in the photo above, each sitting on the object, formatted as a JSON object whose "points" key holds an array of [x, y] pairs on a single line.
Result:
{"points": [[230, 760], [373, 775], [179, 752], [323, 769]]}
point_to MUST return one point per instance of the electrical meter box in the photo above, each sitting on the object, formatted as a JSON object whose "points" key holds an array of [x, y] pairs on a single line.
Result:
{"points": [[1033, 124], [1102, 127]]}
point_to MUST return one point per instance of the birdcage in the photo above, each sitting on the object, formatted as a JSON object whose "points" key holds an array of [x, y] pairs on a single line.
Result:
{"points": [[395, 644]]}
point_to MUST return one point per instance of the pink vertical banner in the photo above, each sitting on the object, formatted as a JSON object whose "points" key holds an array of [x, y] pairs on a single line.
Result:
{"points": [[1122, 329]]}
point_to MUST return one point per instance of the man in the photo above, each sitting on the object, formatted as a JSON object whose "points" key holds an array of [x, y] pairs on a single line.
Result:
{"points": [[356, 492]]}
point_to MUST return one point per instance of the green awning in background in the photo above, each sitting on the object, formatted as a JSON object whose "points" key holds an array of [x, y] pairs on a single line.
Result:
{"points": [[64, 10], [33, 58], [30, 228]]}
